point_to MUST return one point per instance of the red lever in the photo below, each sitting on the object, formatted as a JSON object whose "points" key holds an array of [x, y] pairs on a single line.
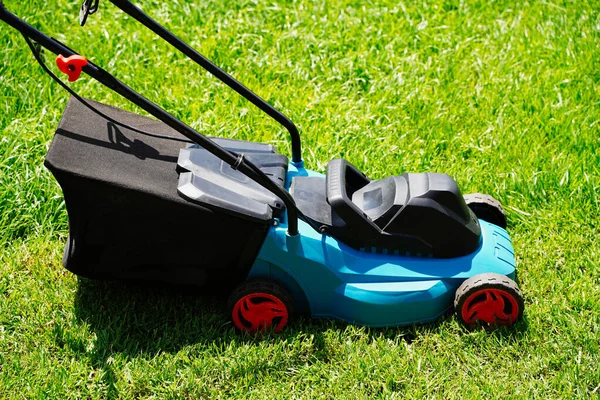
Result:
{"points": [[71, 66]]}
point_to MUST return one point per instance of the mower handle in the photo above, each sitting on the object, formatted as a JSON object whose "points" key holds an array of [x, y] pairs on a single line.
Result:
{"points": [[108, 80], [132, 10]]}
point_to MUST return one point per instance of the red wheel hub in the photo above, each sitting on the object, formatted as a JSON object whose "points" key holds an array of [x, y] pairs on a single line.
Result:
{"points": [[494, 306], [259, 312]]}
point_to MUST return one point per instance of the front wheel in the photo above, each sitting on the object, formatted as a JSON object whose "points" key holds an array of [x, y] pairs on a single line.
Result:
{"points": [[489, 298], [260, 305]]}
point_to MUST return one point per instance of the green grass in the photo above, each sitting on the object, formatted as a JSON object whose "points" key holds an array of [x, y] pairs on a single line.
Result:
{"points": [[502, 95]]}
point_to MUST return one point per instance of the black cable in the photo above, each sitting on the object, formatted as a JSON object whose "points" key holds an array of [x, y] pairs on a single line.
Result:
{"points": [[91, 107]]}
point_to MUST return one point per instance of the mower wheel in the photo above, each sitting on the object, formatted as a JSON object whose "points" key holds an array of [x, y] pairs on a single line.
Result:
{"points": [[489, 298], [487, 208], [260, 305]]}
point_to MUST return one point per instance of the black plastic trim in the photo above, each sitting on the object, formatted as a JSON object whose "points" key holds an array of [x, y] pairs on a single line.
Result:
{"points": [[342, 180]]}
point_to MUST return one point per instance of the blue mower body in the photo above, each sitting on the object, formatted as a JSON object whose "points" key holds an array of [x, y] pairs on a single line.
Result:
{"points": [[332, 280]]}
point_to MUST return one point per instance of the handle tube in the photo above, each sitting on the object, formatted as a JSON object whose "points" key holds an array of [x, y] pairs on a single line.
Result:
{"points": [[135, 12]]}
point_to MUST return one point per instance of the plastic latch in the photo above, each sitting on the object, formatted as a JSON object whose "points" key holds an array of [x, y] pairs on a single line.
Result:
{"points": [[71, 65], [239, 160]]}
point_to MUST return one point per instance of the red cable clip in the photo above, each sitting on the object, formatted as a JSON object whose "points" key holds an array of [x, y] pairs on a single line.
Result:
{"points": [[71, 66]]}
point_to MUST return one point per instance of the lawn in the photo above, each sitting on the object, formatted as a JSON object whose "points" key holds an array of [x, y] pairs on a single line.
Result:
{"points": [[502, 95]]}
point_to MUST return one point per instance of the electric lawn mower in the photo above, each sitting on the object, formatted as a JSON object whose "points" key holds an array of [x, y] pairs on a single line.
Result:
{"points": [[156, 200]]}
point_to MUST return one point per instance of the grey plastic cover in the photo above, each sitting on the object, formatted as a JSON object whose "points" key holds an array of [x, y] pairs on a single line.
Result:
{"points": [[208, 180]]}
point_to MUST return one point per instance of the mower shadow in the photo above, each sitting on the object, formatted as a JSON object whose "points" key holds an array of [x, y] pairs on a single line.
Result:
{"points": [[131, 320], [134, 320]]}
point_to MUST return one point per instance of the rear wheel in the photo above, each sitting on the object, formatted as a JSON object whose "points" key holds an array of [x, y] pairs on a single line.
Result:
{"points": [[487, 208], [489, 298], [260, 305]]}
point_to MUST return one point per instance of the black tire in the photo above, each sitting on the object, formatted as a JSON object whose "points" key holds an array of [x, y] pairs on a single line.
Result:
{"points": [[260, 305], [487, 208], [489, 298]]}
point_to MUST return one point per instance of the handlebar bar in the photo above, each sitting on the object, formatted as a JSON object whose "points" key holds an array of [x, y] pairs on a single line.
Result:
{"points": [[132, 10]]}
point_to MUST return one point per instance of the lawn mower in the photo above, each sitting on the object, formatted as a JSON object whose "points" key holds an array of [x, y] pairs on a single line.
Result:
{"points": [[156, 200]]}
